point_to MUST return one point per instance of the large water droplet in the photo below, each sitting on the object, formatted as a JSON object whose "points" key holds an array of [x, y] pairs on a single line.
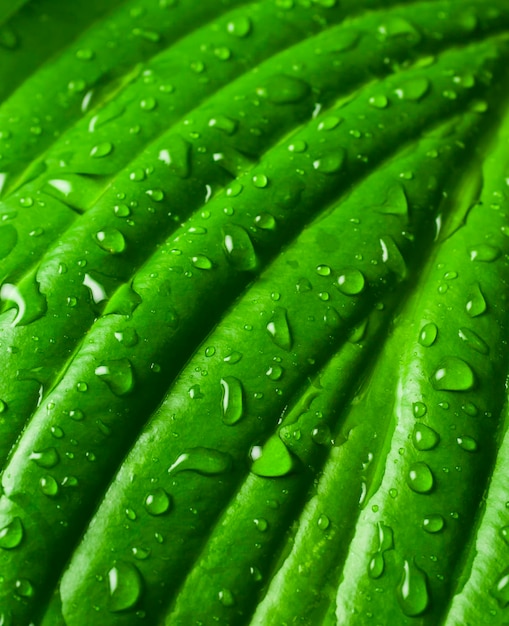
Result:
{"points": [[413, 89], [279, 329], [413, 592], [351, 282], [433, 523], [473, 340], [111, 240], [239, 248], [11, 535], [453, 374], [476, 303], [424, 437], [419, 478], [272, 460], [232, 401], [484, 252], [428, 335], [49, 486], [177, 156], [125, 585], [46, 458], [239, 26], [206, 461], [157, 502], [331, 162], [118, 375], [467, 443]]}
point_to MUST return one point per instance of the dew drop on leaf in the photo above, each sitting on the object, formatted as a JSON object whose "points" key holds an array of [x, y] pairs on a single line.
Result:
{"points": [[125, 586], [476, 303], [419, 478], [413, 594], [424, 437], [46, 458], [351, 282], [157, 502], [279, 329], [111, 240], [272, 460], [232, 400], [472, 340], [11, 535], [205, 461], [283, 89], [453, 374], [118, 375], [433, 523]]}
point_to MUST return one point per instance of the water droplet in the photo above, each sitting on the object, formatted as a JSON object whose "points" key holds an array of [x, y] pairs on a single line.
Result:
{"points": [[392, 257], [275, 372], [148, 104], [49, 486], [261, 524], [239, 248], [424, 437], [24, 588], [157, 502], [484, 252], [413, 592], [223, 123], [111, 240], [501, 589], [298, 146], [239, 26], [125, 586], [140, 553], [11, 535], [329, 123], [118, 375], [351, 282], [232, 401], [323, 270], [265, 221], [177, 156], [433, 523], [473, 340], [453, 374], [234, 189], [419, 409], [85, 54], [376, 565], [201, 262], [413, 89], [504, 533], [419, 478], [128, 337], [260, 181], [233, 357], [205, 461], [279, 329], [467, 443], [396, 202], [283, 89], [101, 150], [395, 26], [330, 163], [46, 458], [272, 460], [379, 101], [226, 597], [428, 335], [476, 304]]}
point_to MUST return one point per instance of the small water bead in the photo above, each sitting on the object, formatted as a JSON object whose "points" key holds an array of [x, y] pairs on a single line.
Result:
{"points": [[476, 304], [11, 535], [424, 437], [265, 221], [140, 553], [226, 597], [122, 210], [202, 262], [323, 270], [420, 478], [260, 181], [485, 253], [453, 374], [467, 443], [46, 458], [101, 150], [26, 202], [351, 282], [24, 588], [157, 502], [330, 163], [226, 124], [329, 123], [261, 524], [118, 375], [272, 460], [125, 585], [233, 357], [130, 514], [232, 400], [239, 26], [205, 461], [275, 372], [504, 533], [428, 335], [379, 101], [223, 53], [323, 522], [414, 89], [157, 195], [48, 486], [279, 329], [413, 594], [433, 523], [298, 146], [111, 240]]}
